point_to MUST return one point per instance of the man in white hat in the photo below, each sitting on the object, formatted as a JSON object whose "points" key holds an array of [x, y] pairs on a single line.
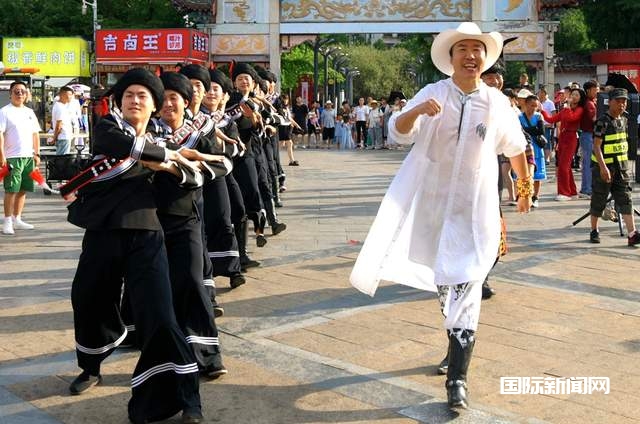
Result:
{"points": [[438, 227]]}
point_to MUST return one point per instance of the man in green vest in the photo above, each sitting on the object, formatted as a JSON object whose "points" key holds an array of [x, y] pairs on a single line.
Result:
{"points": [[609, 166]]}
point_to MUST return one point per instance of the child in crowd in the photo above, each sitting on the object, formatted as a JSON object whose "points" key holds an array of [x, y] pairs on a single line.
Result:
{"points": [[340, 129], [315, 130], [347, 141]]}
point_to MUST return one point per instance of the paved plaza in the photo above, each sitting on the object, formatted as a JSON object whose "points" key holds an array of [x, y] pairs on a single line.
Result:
{"points": [[303, 346]]}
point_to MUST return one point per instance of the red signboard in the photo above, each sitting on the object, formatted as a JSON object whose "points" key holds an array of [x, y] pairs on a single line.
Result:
{"points": [[151, 46]]}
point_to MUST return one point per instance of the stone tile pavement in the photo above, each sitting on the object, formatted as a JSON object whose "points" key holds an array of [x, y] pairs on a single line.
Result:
{"points": [[302, 346]]}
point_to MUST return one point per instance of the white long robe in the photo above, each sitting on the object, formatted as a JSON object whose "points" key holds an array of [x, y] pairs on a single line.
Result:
{"points": [[439, 221]]}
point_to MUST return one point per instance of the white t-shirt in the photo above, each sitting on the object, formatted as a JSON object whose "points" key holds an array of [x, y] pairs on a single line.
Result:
{"points": [[63, 112], [374, 118], [361, 112], [550, 108], [18, 124]]}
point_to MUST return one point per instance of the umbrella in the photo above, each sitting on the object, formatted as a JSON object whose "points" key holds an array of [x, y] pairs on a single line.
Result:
{"points": [[621, 81], [79, 88]]}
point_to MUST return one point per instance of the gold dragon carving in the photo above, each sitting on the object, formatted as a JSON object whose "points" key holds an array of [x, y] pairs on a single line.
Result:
{"points": [[240, 8], [408, 9]]}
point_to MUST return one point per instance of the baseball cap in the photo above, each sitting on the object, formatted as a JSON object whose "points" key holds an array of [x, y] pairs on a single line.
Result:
{"points": [[619, 93], [524, 93]]}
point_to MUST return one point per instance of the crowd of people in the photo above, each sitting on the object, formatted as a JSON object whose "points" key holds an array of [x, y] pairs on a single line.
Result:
{"points": [[184, 162], [569, 132], [361, 126]]}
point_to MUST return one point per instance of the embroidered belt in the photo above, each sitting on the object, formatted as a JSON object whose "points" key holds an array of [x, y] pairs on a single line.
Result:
{"points": [[88, 175]]}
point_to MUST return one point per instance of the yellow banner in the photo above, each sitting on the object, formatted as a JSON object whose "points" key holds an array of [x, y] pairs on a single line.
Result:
{"points": [[53, 56]]}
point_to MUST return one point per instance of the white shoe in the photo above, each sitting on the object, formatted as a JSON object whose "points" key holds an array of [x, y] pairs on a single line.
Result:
{"points": [[19, 224], [535, 204], [562, 198], [7, 227], [584, 196]]}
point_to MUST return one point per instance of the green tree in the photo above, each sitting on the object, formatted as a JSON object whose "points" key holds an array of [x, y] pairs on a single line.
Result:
{"points": [[419, 48], [295, 63], [512, 75], [39, 18], [613, 23], [298, 62], [573, 34], [139, 14], [60, 18], [381, 70]]}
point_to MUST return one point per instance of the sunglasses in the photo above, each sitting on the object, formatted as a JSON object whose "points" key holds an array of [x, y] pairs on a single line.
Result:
{"points": [[19, 92]]}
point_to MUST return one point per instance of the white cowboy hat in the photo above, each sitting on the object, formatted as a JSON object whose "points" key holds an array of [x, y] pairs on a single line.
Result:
{"points": [[442, 44]]}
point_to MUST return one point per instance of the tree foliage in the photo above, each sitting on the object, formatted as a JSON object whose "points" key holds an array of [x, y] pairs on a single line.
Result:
{"points": [[381, 71], [512, 75], [613, 23], [298, 62], [41, 18], [573, 34], [140, 14], [419, 48], [64, 18]]}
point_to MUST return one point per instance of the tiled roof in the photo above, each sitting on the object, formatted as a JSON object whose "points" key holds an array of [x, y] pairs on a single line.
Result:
{"points": [[550, 4], [193, 4]]}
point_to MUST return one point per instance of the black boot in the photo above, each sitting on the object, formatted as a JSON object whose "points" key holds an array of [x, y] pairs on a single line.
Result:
{"points": [[487, 291], [237, 280], [275, 189], [258, 227], [276, 227], [459, 359], [210, 286], [241, 231], [444, 365]]}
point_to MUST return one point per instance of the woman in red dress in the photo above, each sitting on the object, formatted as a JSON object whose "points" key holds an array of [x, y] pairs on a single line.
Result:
{"points": [[569, 118]]}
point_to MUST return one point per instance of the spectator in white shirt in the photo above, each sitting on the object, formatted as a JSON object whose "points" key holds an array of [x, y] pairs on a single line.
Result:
{"points": [[63, 121], [361, 113], [547, 105]]}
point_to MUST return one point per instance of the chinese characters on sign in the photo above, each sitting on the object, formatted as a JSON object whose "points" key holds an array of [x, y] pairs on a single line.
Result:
{"points": [[52, 56], [199, 43], [14, 58], [553, 385], [155, 45]]}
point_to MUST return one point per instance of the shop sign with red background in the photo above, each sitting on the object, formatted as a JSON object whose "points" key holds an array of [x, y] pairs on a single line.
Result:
{"points": [[151, 46]]}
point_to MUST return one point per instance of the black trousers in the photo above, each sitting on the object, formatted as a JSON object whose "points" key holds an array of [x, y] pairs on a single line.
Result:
{"points": [[618, 187], [165, 380], [264, 177], [361, 132], [238, 213], [207, 267], [275, 145], [222, 246], [272, 154], [191, 302], [267, 180], [246, 174]]}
